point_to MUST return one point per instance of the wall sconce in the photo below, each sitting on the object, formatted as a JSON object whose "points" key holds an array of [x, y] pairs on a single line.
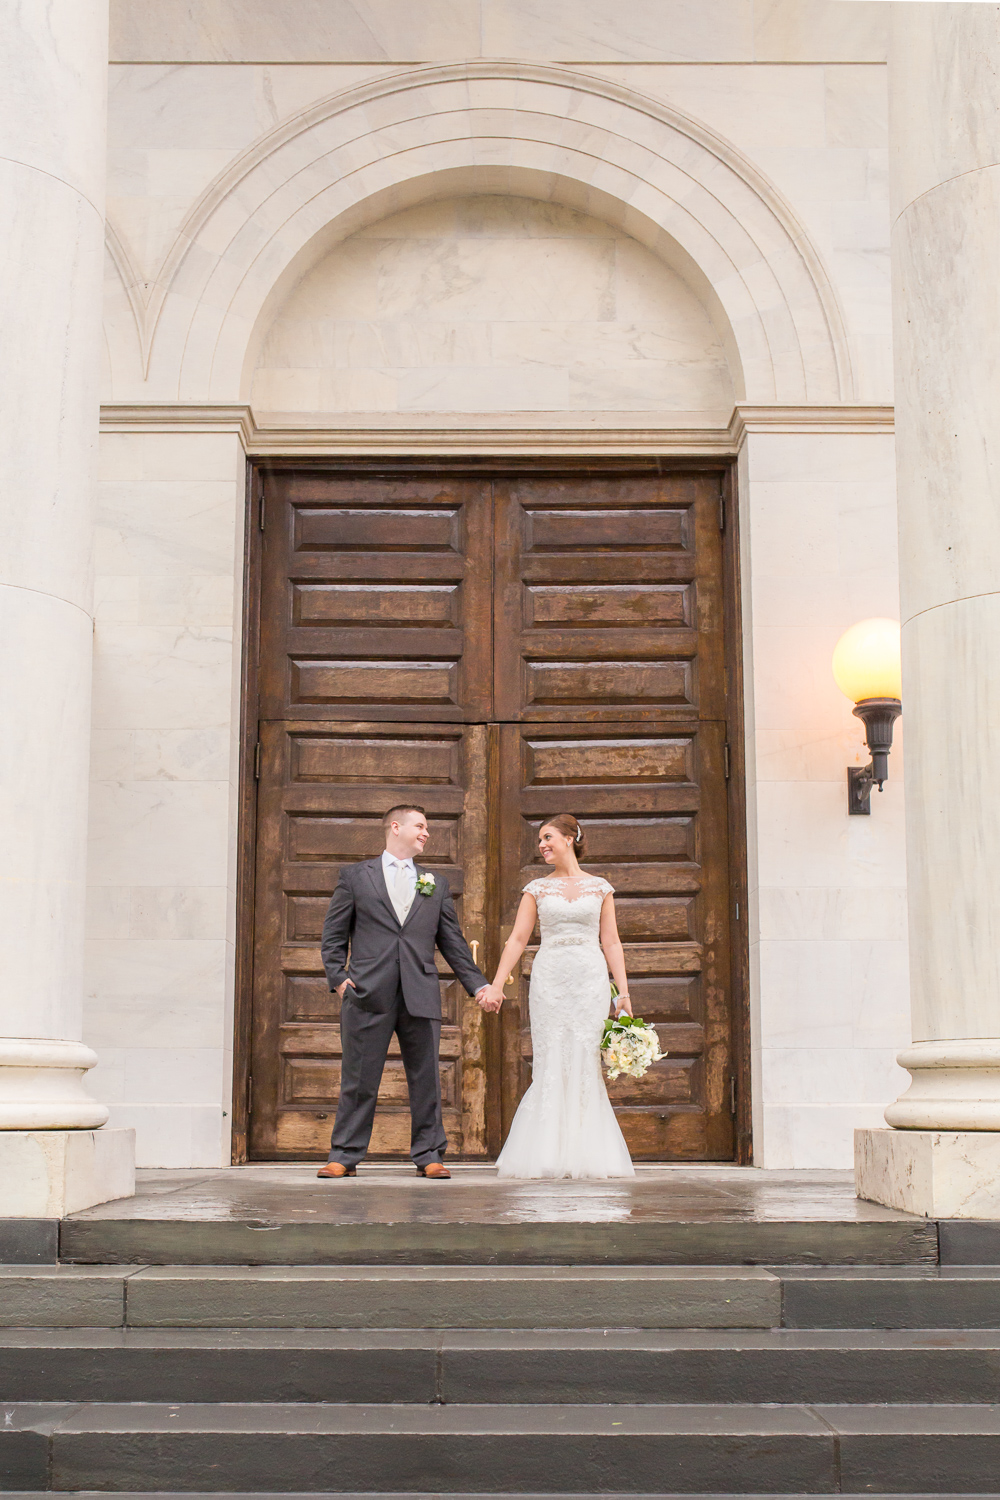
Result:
{"points": [[866, 668]]}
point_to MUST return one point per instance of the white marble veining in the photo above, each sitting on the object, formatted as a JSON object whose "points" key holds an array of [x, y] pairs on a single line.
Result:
{"points": [[943, 95], [581, 30], [784, 31], [819, 133], [48, 435], [159, 960], [157, 994], [52, 102], [941, 1174], [52, 173], [528, 130], [45, 689], [946, 192], [296, 31], [491, 304], [828, 912], [804, 31], [47, 1174], [172, 130], [178, 1135], [815, 1133]]}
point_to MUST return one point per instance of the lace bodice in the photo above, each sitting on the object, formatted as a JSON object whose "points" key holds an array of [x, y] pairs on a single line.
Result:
{"points": [[569, 911]]}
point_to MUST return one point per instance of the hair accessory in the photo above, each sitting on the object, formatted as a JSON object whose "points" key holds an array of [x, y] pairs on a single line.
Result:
{"points": [[578, 837]]}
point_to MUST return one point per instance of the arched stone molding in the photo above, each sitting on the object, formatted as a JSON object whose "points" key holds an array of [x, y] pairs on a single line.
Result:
{"points": [[127, 324], [489, 127]]}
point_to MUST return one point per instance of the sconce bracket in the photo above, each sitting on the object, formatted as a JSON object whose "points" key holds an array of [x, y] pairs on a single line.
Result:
{"points": [[878, 716], [859, 791]]}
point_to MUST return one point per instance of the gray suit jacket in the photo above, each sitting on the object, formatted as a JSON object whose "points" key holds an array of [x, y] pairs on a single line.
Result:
{"points": [[387, 956]]}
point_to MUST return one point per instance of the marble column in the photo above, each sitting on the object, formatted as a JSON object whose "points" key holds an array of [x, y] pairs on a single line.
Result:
{"points": [[943, 1156], [53, 1156]]}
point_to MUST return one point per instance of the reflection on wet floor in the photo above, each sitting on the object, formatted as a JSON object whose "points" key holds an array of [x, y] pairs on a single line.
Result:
{"points": [[269, 1195]]}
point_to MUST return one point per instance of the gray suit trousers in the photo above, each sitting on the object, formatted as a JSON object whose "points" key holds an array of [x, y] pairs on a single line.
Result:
{"points": [[365, 1038]]}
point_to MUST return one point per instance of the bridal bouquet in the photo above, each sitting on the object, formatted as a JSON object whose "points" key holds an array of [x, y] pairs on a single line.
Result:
{"points": [[629, 1045]]}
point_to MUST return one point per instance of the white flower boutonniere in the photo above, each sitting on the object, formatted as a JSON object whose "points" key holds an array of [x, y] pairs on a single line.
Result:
{"points": [[426, 884]]}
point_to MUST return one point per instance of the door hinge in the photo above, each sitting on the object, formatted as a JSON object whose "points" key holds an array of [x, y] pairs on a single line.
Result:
{"points": [[732, 1093], [725, 759], [722, 512], [260, 511], [256, 761]]}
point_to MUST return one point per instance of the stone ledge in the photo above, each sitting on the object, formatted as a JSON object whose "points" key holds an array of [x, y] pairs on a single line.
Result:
{"points": [[49, 1173], [941, 1174]]}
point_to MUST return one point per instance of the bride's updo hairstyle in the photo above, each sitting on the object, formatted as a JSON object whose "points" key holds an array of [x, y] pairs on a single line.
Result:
{"points": [[569, 827]]}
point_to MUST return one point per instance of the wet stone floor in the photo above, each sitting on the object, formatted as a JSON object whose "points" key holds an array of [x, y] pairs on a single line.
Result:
{"points": [[394, 1194]]}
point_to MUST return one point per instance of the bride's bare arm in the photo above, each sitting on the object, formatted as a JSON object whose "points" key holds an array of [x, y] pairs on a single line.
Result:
{"points": [[614, 952], [524, 926]]}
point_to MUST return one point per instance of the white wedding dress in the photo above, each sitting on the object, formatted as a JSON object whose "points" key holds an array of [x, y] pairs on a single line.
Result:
{"points": [[565, 1125]]}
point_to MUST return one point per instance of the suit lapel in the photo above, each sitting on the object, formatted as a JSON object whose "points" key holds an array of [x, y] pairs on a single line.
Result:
{"points": [[416, 897], [376, 875]]}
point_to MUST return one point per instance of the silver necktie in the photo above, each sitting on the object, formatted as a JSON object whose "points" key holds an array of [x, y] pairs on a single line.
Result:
{"points": [[401, 893]]}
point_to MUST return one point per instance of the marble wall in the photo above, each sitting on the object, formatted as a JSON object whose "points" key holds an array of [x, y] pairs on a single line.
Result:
{"points": [[162, 796], [816, 128], [827, 891], [467, 311], [492, 304], [565, 31]]}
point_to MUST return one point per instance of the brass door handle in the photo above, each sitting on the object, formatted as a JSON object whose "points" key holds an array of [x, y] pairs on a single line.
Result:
{"points": [[474, 945]]}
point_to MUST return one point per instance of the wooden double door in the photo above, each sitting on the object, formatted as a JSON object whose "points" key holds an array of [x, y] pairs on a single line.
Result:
{"points": [[496, 650]]}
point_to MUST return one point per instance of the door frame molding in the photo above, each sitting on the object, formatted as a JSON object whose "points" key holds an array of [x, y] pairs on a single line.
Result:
{"points": [[485, 467]]}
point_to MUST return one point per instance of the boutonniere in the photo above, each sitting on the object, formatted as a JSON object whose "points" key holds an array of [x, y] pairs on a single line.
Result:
{"points": [[426, 884]]}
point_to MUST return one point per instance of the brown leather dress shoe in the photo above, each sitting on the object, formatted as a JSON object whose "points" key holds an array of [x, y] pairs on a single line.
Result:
{"points": [[337, 1169], [435, 1169]]}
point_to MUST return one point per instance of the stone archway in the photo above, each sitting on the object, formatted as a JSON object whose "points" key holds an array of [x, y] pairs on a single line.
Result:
{"points": [[492, 127]]}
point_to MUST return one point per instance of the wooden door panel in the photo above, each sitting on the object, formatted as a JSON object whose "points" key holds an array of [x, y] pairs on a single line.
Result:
{"points": [[335, 684], [608, 598], [552, 522], [625, 605], [376, 599], [604, 686], [667, 859], [576, 624], [323, 790]]}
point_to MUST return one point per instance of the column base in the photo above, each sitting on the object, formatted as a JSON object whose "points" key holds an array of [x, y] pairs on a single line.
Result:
{"points": [[41, 1086], [47, 1174], [942, 1174], [955, 1086]]}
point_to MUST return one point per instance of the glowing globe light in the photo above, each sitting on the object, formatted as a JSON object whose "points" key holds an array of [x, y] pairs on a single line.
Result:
{"points": [[866, 661]]}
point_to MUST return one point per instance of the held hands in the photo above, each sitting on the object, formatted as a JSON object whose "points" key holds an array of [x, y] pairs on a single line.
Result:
{"points": [[490, 998]]}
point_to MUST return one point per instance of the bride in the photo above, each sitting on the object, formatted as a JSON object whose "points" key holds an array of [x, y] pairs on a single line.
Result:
{"points": [[565, 1125]]}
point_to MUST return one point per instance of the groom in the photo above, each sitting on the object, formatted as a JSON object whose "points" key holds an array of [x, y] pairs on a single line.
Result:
{"points": [[392, 913]]}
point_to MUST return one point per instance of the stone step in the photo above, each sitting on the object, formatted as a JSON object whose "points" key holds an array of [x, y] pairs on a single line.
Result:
{"points": [[113, 1234], [890, 1297], [477, 1495], [499, 1367], [547, 1449], [392, 1297], [500, 1296]]}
